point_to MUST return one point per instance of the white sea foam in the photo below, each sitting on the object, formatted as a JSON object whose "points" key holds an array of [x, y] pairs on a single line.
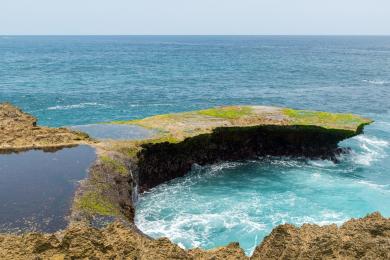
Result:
{"points": [[375, 186], [372, 148], [377, 82], [204, 208], [322, 163], [151, 105], [75, 106], [324, 217]]}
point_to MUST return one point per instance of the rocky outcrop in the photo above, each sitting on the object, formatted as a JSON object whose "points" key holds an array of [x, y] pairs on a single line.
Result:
{"points": [[161, 162], [108, 190], [19, 131], [236, 133], [366, 238]]}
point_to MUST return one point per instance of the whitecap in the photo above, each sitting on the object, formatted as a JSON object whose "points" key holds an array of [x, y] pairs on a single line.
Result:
{"points": [[372, 140], [322, 163], [181, 245], [372, 185], [151, 105], [377, 82], [74, 106], [372, 148]]}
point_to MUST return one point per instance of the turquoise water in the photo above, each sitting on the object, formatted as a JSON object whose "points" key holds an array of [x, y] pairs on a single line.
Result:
{"points": [[84, 80], [243, 201]]}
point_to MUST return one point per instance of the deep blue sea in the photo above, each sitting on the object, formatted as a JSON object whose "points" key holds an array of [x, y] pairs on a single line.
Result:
{"points": [[82, 80]]}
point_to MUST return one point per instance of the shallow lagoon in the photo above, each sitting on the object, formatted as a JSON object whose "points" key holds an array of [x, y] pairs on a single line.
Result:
{"points": [[36, 187], [115, 131]]}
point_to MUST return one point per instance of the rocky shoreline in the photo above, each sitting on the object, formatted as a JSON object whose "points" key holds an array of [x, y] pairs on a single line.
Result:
{"points": [[126, 167], [365, 238], [19, 131]]}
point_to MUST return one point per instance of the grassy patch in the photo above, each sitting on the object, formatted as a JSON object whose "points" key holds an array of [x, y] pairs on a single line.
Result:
{"points": [[226, 112], [303, 117], [94, 203], [146, 122], [115, 165], [163, 139]]}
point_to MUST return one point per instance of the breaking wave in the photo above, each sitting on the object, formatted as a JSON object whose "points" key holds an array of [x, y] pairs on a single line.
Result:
{"points": [[75, 106], [243, 201], [377, 82], [371, 149]]}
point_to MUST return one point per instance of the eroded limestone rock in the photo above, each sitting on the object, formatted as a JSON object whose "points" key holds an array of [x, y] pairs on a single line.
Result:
{"points": [[19, 131]]}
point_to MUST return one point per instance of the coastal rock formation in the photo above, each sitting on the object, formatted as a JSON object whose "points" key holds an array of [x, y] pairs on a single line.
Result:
{"points": [[19, 131], [366, 238], [126, 167], [161, 162], [236, 133]]}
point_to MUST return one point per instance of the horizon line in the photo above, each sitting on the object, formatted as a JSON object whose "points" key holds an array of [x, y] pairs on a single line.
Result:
{"points": [[300, 35]]}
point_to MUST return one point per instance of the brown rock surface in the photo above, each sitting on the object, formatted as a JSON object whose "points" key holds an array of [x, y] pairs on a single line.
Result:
{"points": [[366, 238], [19, 130]]}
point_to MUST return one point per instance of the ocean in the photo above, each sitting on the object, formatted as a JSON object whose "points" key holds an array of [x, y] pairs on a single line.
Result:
{"points": [[79, 80]]}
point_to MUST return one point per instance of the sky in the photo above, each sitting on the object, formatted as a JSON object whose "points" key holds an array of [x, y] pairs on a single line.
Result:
{"points": [[193, 17]]}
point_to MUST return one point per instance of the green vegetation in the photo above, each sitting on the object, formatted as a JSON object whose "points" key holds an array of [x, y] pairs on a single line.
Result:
{"points": [[226, 112], [163, 139], [324, 119], [176, 127], [115, 165], [156, 118], [94, 203]]}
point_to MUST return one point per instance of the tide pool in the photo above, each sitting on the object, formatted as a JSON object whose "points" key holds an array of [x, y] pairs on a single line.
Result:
{"points": [[37, 188]]}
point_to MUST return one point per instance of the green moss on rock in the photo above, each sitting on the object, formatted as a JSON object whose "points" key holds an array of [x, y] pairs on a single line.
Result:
{"points": [[94, 203], [231, 112], [325, 119], [178, 126], [115, 165]]}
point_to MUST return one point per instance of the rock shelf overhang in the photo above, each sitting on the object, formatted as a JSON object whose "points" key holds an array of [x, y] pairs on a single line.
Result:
{"points": [[179, 126], [235, 133]]}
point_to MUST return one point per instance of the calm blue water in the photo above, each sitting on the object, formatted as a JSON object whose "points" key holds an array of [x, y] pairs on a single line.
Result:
{"points": [[84, 80], [36, 187], [81, 80]]}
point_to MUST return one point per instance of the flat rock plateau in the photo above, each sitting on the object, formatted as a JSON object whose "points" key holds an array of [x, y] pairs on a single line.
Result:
{"points": [[126, 167]]}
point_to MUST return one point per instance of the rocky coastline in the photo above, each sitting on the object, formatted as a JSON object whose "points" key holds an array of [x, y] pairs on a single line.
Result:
{"points": [[126, 167], [19, 131], [365, 238]]}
